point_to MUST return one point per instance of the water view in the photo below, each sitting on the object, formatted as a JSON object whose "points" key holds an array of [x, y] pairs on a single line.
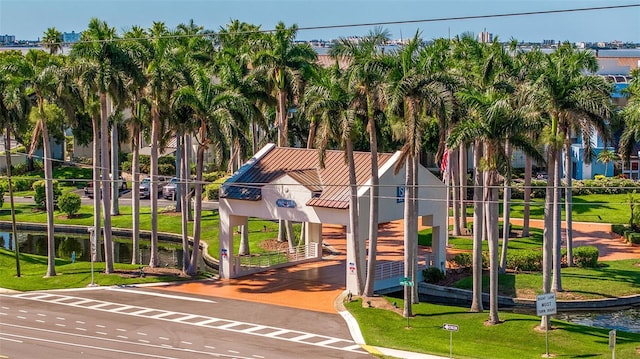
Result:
{"points": [[170, 254], [627, 320]]}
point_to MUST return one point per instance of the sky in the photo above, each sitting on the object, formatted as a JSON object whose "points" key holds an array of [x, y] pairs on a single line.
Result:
{"points": [[29, 19]]}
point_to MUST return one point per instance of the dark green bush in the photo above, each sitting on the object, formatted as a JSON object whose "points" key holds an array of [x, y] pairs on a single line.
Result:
{"points": [[463, 260], [212, 191], [213, 176], [633, 238], [618, 228], [69, 203], [433, 275], [527, 261], [167, 169], [23, 184], [586, 256], [40, 197]]}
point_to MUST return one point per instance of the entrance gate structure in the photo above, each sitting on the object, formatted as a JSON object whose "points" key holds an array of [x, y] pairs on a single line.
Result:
{"points": [[281, 183]]}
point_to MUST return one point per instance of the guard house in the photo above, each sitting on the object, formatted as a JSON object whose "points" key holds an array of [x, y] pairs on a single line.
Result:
{"points": [[289, 184]]}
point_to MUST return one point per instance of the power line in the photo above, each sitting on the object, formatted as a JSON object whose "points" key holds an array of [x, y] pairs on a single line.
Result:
{"points": [[381, 23]]}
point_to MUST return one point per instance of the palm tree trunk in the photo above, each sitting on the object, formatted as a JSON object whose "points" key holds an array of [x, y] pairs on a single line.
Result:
{"points": [[478, 218], [106, 184], [115, 173], [197, 218], [14, 231], [48, 176], [373, 201], [462, 157], [408, 230], [184, 214], [506, 214], [353, 214], [135, 196], [455, 179], [97, 189], [527, 197], [414, 225], [568, 202], [153, 192], [547, 234], [491, 208], [556, 283]]}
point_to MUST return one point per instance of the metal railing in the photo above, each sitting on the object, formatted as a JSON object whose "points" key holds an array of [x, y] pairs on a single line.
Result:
{"points": [[386, 270], [266, 260]]}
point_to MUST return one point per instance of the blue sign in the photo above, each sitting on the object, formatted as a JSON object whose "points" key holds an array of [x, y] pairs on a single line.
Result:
{"points": [[400, 194], [285, 203]]}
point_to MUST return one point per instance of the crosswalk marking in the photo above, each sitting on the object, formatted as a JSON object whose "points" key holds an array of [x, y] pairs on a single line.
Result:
{"points": [[209, 322]]}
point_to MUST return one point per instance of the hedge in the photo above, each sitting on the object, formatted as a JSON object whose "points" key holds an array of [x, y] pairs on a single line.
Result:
{"points": [[586, 256]]}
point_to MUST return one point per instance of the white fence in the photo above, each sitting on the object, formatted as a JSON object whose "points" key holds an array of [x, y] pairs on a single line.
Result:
{"points": [[261, 262]]}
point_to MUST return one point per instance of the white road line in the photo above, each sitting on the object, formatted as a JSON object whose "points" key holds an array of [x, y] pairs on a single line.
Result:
{"points": [[121, 330], [11, 340], [3, 313], [40, 321], [130, 353], [186, 317], [143, 341], [142, 311], [5, 308], [101, 333], [140, 333], [161, 295], [257, 356], [163, 338], [205, 322], [255, 328], [122, 336], [185, 342], [42, 315], [80, 322], [228, 325], [303, 337], [101, 326], [61, 318], [23, 311], [60, 325], [82, 329], [233, 351], [209, 347], [21, 317]]}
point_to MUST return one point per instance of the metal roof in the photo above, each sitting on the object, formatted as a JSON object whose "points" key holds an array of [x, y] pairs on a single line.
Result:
{"points": [[330, 184]]}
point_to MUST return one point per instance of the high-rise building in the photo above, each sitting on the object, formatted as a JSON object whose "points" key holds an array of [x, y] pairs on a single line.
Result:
{"points": [[70, 37], [7, 39], [485, 37]]}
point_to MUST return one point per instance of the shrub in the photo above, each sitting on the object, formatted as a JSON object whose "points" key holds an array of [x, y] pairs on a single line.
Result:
{"points": [[167, 169], [69, 203], [212, 191], [586, 256], [213, 176], [528, 261], [40, 197], [23, 184], [433, 275], [633, 238], [1, 196], [463, 260]]}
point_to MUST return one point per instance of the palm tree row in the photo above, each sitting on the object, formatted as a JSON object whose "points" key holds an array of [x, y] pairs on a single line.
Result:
{"points": [[229, 92]]}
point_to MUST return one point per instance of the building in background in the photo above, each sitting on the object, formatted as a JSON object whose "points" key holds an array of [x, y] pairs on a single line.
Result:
{"points": [[7, 39], [70, 37]]}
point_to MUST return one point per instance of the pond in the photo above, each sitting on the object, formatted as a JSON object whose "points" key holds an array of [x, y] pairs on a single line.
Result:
{"points": [[169, 254], [627, 320]]}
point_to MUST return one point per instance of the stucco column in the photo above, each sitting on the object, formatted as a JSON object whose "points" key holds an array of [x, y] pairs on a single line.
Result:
{"points": [[313, 234], [226, 256], [438, 240]]}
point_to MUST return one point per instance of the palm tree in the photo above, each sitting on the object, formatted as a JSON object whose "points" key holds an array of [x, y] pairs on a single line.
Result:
{"points": [[631, 116], [416, 94], [52, 40], [366, 75], [214, 110], [284, 64], [607, 156], [14, 107], [572, 101], [102, 65], [43, 77], [162, 75]]}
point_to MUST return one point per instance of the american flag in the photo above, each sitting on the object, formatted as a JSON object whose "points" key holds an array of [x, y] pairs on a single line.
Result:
{"points": [[445, 160]]}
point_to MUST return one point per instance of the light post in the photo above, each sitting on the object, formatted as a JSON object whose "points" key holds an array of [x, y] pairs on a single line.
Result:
{"points": [[92, 240]]}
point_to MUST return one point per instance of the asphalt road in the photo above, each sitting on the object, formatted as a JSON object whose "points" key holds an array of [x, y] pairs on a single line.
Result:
{"points": [[131, 322]]}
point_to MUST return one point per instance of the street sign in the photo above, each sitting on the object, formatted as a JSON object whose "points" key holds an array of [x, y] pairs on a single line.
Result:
{"points": [[612, 339], [450, 327], [546, 304], [407, 282]]}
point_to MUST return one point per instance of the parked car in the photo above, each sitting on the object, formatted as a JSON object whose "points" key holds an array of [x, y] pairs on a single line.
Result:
{"points": [[169, 190], [88, 189], [145, 186]]}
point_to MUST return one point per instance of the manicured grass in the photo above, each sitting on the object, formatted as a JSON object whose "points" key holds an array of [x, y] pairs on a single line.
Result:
{"points": [[606, 208], [68, 275], [169, 222], [610, 279], [516, 337]]}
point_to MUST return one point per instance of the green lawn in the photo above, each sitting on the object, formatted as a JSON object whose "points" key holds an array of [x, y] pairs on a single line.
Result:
{"points": [[516, 337], [69, 275]]}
